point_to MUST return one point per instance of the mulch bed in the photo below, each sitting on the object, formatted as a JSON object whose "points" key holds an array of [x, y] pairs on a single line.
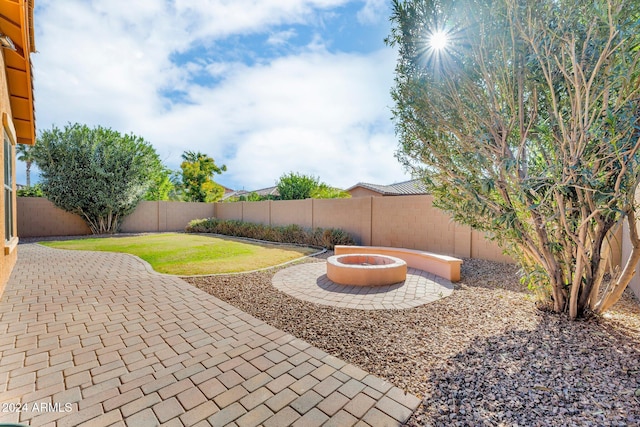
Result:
{"points": [[484, 356]]}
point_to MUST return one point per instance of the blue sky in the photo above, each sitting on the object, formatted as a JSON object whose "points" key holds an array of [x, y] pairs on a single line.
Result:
{"points": [[266, 87]]}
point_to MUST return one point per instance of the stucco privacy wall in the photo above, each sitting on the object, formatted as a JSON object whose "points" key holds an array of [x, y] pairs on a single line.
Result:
{"points": [[165, 216], [412, 222], [257, 212], [287, 212], [228, 210], [352, 215], [38, 217], [402, 221]]}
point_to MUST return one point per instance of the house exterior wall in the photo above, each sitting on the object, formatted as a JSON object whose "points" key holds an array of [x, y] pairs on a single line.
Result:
{"points": [[363, 192], [8, 256]]}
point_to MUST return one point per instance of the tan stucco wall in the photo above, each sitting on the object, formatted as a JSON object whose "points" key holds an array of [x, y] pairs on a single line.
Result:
{"points": [[401, 221], [39, 217], [484, 248], [7, 260], [363, 192], [165, 216], [228, 210], [412, 222], [256, 212], [351, 215], [146, 216], [285, 212]]}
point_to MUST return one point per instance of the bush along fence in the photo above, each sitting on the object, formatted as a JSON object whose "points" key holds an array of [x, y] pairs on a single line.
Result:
{"points": [[324, 237]]}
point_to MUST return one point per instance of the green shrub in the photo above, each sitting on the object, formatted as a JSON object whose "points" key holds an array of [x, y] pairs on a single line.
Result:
{"points": [[293, 234], [325, 237], [336, 236], [202, 225], [33, 191]]}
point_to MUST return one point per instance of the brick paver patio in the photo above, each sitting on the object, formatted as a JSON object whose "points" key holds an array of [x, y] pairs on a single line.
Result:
{"points": [[93, 338], [309, 282]]}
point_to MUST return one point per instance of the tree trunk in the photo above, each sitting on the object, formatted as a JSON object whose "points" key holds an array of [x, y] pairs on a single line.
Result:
{"points": [[28, 174], [619, 284]]}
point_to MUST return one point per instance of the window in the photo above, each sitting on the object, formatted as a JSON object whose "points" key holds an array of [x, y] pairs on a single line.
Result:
{"points": [[8, 189]]}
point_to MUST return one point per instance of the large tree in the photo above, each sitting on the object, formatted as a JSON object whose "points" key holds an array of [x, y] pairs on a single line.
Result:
{"points": [[295, 186], [198, 170], [161, 186], [523, 118], [98, 173]]}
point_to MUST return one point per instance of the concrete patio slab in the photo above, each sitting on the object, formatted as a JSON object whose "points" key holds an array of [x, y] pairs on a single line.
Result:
{"points": [[93, 338]]}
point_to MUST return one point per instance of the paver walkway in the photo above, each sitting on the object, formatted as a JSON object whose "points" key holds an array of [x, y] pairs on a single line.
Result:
{"points": [[93, 338], [309, 282]]}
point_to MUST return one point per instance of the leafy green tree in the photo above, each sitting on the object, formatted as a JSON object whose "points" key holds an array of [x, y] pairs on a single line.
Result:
{"points": [[161, 187], [96, 173], [295, 186], [525, 125], [198, 170], [176, 193], [33, 191], [324, 191], [255, 197], [25, 154]]}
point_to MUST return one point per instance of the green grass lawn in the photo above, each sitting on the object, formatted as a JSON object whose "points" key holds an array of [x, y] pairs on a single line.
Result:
{"points": [[189, 254]]}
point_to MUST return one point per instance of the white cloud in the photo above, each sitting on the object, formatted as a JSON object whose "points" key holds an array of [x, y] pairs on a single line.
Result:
{"points": [[216, 18], [316, 112], [281, 37], [373, 11]]}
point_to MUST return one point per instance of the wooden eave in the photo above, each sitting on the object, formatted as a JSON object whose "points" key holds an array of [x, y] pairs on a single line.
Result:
{"points": [[16, 21]]}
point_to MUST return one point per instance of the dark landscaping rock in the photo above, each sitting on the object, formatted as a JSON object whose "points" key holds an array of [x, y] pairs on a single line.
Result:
{"points": [[483, 356]]}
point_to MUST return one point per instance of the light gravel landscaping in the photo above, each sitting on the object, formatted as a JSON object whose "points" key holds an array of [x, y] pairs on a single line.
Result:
{"points": [[484, 356]]}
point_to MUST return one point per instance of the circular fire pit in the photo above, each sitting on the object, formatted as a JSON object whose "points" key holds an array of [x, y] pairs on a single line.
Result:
{"points": [[366, 270]]}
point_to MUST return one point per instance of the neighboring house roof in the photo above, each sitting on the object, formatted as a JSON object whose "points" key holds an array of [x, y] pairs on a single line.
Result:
{"points": [[236, 193], [269, 191], [405, 188], [227, 189], [16, 22]]}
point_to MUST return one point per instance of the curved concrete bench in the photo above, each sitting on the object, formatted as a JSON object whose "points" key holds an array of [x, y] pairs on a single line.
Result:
{"points": [[444, 266]]}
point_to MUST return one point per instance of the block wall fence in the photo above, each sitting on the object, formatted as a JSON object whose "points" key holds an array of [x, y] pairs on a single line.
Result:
{"points": [[401, 221], [398, 221]]}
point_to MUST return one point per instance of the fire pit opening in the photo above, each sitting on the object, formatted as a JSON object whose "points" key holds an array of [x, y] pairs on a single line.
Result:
{"points": [[366, 270]]}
